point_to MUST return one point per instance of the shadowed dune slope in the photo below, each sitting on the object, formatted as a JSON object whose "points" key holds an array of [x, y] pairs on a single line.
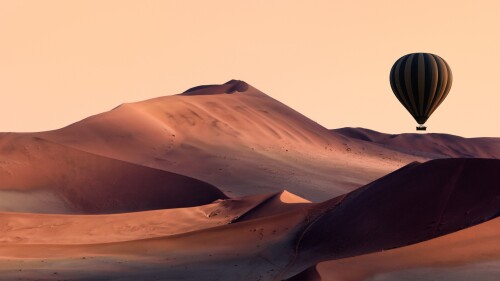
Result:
{"points": [[310, 274], [454, 184], [428, 145], [81, 182], [410, 205]]}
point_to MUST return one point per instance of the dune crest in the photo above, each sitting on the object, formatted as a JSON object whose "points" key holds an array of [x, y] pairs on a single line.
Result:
{"points": [[230, 87]]}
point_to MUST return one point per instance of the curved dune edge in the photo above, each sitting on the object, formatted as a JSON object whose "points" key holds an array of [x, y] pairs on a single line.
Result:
{"points": [[408, 206], [74, 181], [277, 246]]}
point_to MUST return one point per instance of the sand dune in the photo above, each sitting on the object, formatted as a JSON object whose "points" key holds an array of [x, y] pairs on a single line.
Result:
{"points": [[445, 192], [463, 249], [244, 143], [232, 136], [55, 179], [388, 213], [29, 228], [428, 145]]}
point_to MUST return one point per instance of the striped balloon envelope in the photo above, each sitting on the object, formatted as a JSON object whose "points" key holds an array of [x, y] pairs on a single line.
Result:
{"points": [[421, 82]]}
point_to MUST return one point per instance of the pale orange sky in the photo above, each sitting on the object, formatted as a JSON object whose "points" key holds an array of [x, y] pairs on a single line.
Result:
{"points": [[61, 61]]}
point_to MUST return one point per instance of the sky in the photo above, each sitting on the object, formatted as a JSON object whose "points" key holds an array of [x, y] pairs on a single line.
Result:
{"points": [[62, 61]]}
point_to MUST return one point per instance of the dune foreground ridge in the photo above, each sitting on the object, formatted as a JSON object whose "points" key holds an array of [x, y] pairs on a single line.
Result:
{"points": [[222, 182]]}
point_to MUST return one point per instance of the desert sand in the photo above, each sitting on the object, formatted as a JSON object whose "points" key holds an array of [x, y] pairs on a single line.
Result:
{"points": [[248, 142], [201, 243], [428, 145], [81, 182], [466, 248], [222, 182]]}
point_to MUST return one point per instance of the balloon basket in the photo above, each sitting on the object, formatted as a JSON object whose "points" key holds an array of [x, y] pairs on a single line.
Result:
{"points": [[421, 128]]}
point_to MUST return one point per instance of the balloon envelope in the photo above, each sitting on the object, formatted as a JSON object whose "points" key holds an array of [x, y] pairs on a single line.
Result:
{"points": [[421, 81]]}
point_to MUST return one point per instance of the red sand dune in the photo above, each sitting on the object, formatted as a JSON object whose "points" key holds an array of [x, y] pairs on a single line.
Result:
{"points": [[408, 206], [244, 143], [463, 249], [234, 137], [428, 145], [405, 207], [81, 182]]}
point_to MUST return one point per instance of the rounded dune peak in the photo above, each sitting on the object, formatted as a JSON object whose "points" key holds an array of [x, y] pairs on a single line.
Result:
{"points": [[290, 198], [230, 87], [236, 86]]}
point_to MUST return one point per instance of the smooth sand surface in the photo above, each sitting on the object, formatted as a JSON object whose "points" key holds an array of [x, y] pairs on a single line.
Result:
{"points": [[33, 202], [487, 271], [243, 142]]}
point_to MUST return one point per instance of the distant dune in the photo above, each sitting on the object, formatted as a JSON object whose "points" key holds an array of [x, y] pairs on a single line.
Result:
{"points": [[428, 145], [222, 182]]}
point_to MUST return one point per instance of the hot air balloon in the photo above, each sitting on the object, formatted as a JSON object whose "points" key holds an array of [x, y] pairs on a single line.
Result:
{"points": [[421, 81]]}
